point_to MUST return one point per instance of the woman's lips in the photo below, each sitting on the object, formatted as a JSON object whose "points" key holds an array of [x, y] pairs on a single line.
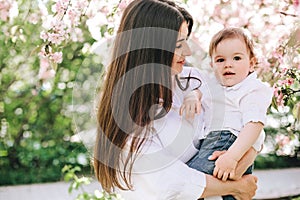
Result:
{"points": [[181, 62]]}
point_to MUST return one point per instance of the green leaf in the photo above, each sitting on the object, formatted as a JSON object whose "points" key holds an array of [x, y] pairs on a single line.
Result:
{"points": [[66, 168], [296, 112], [70, 188], [68, 177]]}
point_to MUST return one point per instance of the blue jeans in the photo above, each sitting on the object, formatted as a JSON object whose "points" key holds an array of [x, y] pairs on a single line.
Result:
{"points": [[215, 140]]}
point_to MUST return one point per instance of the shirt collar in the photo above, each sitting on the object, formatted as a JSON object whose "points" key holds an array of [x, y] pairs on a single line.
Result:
{"points": [[249, 78]]}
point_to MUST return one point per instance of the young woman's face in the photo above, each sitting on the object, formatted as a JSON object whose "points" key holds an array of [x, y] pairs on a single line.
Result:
{"points": [[182, 49], [231, 61]]}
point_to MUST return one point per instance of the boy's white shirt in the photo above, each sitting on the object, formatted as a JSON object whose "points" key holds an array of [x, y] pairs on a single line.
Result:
{"points": [[222, 106], [242, 103]]}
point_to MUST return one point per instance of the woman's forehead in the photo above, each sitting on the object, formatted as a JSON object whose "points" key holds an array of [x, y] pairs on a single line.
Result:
{"points": [[183, 31]]}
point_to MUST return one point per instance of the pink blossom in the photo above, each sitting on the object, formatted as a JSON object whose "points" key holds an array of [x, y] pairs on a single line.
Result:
{"points": [[284, 69], [76, 35], [104, 10], [123, 4], [34, 92], [60, 7], [276, 92], [280, 101], [81, 5], [4, 15], [44, 64], [296, 3], [55, 38], [289, 81], [48, 74], [56, 57], [72, 14], [279, 96], [58, 26], [5, 7], [45, 72], [44, 35], [33, 18], [280, 82], [282, 140], [278, 55]]}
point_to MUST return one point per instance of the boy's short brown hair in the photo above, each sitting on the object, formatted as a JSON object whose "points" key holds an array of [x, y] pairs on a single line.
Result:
{"points": [[229, 33]]}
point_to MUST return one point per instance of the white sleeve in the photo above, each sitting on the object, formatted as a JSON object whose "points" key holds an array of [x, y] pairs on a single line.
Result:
{"points": [[255, 104], [184, 182], [259, 141], [254, 108], [162, 174]]}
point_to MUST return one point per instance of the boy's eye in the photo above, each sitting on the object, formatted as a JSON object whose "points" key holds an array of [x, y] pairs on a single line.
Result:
{"points": [[220, 60], [237, 58]]}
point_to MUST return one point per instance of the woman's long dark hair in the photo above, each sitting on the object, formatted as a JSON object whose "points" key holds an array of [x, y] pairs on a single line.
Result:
{"points": [[138, 78]]}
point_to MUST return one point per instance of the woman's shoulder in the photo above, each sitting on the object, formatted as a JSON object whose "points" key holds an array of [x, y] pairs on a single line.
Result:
{"points": [[187, 70]]}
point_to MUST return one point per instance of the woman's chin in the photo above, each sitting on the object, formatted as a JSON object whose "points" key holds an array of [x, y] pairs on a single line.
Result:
{"points": [[177, 71]]}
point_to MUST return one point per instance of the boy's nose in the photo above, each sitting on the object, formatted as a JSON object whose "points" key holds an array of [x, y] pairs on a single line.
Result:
{"points": [[228, 64]]}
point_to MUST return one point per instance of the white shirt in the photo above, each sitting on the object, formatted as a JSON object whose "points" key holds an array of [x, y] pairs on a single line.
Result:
{"points": [[226, 108], [230, 108], [233, 107], [160, 172]]}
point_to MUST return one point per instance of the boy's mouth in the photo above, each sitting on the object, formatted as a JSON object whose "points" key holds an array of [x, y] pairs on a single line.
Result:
{"points": [[228, 73]]}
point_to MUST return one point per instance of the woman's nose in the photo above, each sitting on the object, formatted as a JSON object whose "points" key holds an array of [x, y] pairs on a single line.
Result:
{"points": [[186, 50]]}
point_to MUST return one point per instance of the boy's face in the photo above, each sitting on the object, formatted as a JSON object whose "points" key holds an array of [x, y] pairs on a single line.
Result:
{"points": [[231, 61]]}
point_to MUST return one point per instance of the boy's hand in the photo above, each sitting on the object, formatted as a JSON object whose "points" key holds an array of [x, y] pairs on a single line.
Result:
{"points": [[191, 104], [225, 167]]}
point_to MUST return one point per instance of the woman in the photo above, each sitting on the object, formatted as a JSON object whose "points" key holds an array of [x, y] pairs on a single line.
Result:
{"points": [[142, 143]]}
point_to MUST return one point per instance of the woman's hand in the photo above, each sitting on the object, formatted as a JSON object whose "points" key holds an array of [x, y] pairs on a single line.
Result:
{"points": [[246, 187], [242, 189]]}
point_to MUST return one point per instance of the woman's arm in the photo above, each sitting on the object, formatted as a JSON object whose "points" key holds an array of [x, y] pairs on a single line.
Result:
{"points": [[159, 166], [243, 188]]}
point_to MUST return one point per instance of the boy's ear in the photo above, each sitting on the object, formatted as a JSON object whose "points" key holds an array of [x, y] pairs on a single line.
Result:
{"points": [[253, 62], [211, 64]]}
